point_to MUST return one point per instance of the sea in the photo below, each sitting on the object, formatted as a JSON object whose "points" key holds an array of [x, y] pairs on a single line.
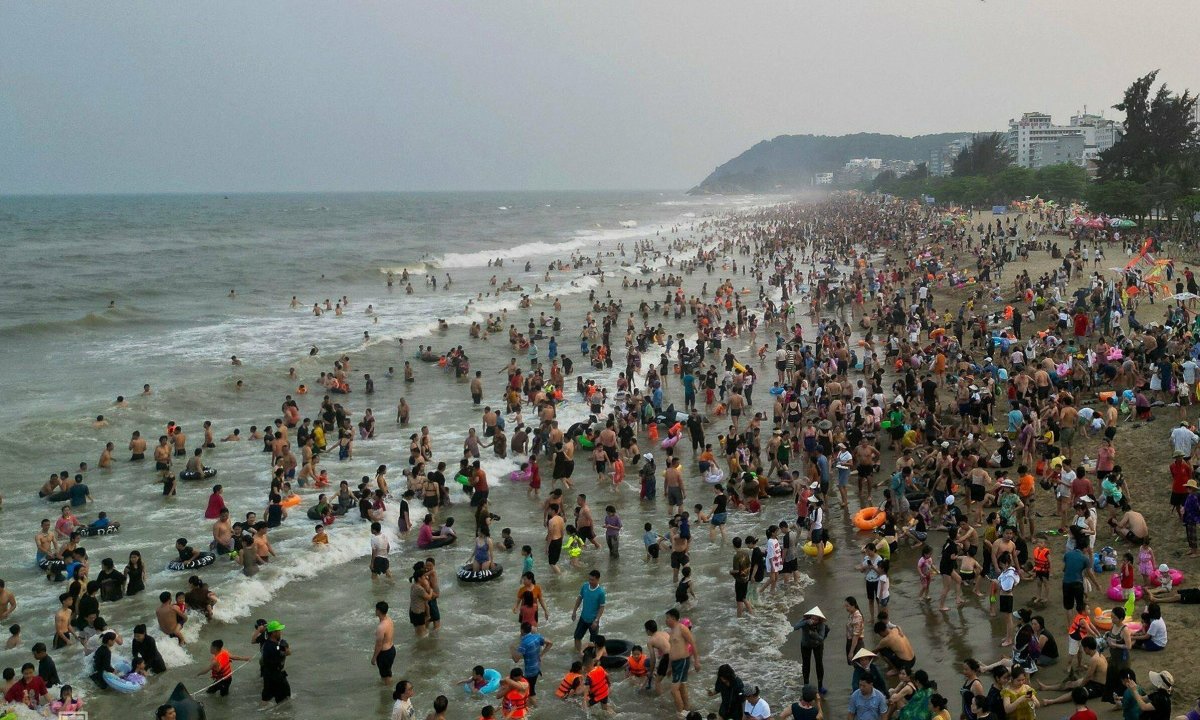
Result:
{"points": [[103, 295]]}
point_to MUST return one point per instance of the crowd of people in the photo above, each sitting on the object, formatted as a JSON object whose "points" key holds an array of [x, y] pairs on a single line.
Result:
{"points": [[954, 430]]}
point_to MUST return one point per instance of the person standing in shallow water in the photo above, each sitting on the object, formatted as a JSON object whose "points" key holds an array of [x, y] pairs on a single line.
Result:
{"points": [[385, 651]]}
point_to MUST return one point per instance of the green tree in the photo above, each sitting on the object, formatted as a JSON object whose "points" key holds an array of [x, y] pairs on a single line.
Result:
{"points": [[987, 155], [1012, 183], [1119, 197], [1160, 130], [1062, 183]]}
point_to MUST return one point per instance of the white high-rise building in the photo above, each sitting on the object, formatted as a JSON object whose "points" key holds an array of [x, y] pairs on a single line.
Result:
{"points": [[1035, 129]]}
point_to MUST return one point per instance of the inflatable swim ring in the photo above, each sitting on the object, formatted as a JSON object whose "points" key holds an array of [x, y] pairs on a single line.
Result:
{"points": [[670, 441], [714, 476], [1176, 578], [204, 560], [466, 574], [780, 489], [116, 682], [96, 532], [521, 476], [188, 475], [869, 518], [462, 479], [1114, 592], [437, 542], [584, 442], [616, 654], [492, 678], [292, 501], [52, 564], [811, 550]]}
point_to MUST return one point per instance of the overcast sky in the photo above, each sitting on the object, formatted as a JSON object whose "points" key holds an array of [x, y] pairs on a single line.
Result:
{"points": [[515, 94]]}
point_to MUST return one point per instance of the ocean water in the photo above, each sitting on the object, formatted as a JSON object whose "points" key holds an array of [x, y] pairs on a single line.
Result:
{"points": [[168, 263]]}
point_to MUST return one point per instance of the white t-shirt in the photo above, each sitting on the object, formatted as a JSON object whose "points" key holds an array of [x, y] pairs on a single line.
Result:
{"points": [[1158, 632], [379, 545], [760, 709], [403, 710]]}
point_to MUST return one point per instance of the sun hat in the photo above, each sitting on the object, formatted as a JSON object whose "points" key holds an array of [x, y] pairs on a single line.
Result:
{"points": [[648, 456], [1191, 484], [1164, 568], [863, 653], [815, 612], [949, 499], [1163, 680], [275, 626]]}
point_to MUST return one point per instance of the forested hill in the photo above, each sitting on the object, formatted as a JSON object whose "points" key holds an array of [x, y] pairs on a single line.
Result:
{"points": [[789, 161]]}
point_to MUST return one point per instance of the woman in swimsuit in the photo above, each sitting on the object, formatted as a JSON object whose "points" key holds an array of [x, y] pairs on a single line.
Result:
{"points": [[482, 557]]}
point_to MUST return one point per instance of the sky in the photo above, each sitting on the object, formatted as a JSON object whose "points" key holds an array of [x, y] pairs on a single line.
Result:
{"points": [[216, 96]]}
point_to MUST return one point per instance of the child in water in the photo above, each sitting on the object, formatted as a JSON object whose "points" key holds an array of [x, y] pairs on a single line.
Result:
{"points": [[574, 547], [66, 702]]}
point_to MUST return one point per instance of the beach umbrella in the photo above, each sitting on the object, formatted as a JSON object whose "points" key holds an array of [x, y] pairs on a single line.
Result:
{"points": [[947, 221], [1127, 223], [1115, 222], [1094, 224], [1077, 220], [1185, 296]]}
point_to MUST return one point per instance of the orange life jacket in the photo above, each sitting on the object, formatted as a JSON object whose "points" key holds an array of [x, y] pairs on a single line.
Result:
{"points": [[597, 680], [638, 667], [1041, 559], [514, 702], [569, 682]]}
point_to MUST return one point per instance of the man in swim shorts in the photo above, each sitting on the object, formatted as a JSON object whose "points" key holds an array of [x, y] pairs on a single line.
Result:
{"points": [[555, 527], [385, 649], [682, 652]]}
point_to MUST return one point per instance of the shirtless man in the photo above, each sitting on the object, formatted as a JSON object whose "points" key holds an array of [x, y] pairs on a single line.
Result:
{"points": [[658, 647], [895, 648], [1093, 680], [979, 484], [384, 653], [1132, 526], [737, 404], [555, 526], [477, 388], [170, 617], [262, 546], [8, 601], [162, 456], [866, 457], [180, 440], [683, 656], [584, 522], [195, 463], [63, 636], [673, 482], [222, 532], [46, 542], [106, 459]]}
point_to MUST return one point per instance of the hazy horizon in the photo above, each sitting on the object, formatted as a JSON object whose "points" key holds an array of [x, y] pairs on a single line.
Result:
{"points": [[273, 97]]}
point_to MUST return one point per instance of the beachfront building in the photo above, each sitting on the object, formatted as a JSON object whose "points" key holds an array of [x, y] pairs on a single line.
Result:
{"points": [[941, 161], [1035, 141]]}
